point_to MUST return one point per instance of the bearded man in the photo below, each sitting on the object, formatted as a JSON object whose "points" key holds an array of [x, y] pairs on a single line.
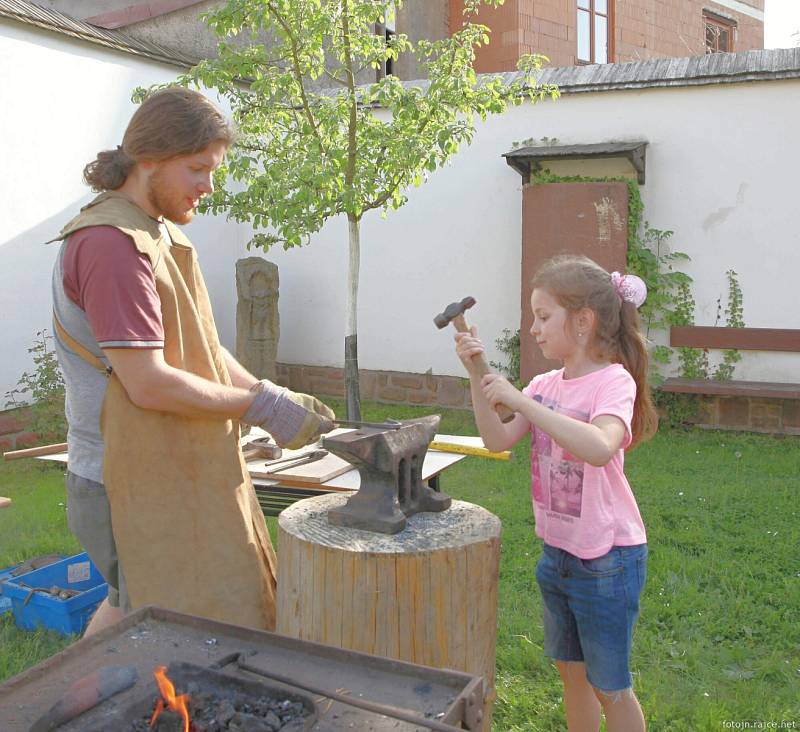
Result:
{"points": [[157, 489]]}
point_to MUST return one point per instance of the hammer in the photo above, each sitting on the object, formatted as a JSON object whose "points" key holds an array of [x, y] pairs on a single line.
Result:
{"points": [[454, 313], [261, 448]]}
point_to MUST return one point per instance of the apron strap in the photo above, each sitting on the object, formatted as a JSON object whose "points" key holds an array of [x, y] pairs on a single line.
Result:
{"points": [[80, 350]]}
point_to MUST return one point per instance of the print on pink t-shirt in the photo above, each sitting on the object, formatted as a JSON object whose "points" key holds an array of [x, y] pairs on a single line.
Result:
{"points": [[557, 481], [578, 507]]}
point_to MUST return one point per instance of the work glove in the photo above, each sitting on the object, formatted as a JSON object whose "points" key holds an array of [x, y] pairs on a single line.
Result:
{"points": [[292, 419]]}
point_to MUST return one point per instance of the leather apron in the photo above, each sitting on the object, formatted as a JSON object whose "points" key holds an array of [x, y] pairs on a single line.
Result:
{"points": [[189, 531]]}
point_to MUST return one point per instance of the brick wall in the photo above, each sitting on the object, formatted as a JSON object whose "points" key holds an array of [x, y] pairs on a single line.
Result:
{"points": [[774, 416], [390, 387], [14, 432], [749, 414], [659, 28], [642, 29]]}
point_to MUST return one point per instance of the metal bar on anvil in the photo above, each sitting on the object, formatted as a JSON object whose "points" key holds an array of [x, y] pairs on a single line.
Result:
{"points": [[389, 424]]}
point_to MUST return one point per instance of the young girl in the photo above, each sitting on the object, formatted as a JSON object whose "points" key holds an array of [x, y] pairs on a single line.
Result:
{"points": [[582, 418]]}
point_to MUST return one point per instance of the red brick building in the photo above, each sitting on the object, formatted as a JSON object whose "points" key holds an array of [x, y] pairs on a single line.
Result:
{"points": [[573, 32]]}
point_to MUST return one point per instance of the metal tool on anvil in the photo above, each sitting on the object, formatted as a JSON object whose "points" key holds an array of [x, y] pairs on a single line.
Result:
{"points": [[387, 424], [454, 313], [288, 463], [389, 462]]}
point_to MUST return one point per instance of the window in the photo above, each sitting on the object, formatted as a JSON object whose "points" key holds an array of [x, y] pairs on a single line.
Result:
{"points": [[387, 29], [594, 31], [719, 32]]}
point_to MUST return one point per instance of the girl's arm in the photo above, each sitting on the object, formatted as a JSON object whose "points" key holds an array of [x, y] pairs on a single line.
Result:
{"points": [[594, 443], [496, 435]]}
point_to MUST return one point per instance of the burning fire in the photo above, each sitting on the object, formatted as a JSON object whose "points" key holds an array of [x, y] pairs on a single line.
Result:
{"points": [[169, 701]]}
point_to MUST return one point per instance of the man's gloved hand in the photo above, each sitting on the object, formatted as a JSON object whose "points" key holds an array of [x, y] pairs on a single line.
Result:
{"points": [[292, 419]]}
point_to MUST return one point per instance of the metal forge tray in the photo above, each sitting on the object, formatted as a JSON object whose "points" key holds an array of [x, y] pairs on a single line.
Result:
{"points": [[153, 636]]}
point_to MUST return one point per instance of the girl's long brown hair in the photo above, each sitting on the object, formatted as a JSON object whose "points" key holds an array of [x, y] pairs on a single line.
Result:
{"points": [[168, 124], [578, 282]]}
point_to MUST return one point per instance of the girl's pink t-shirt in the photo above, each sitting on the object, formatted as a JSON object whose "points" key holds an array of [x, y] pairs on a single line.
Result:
{"points": [[579, 508]]}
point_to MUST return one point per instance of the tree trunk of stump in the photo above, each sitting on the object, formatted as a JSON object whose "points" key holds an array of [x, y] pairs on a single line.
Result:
{"points": [[426, 595]]}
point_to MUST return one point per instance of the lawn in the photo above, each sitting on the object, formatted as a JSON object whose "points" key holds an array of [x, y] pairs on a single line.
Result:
{"points": [[718, 643]]}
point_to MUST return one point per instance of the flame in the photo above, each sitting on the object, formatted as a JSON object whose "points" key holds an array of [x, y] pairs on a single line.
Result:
{"points": [[169, 701]]}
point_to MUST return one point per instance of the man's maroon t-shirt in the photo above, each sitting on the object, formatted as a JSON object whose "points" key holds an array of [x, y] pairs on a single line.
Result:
{"points": [[113, 284]]}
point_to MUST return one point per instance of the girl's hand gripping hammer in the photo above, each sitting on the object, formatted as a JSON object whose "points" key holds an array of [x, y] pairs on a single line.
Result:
{"points": [[454, 313]]}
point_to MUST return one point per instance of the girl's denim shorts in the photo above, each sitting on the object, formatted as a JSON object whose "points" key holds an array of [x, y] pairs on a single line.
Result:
{"points": [[590, 610]]}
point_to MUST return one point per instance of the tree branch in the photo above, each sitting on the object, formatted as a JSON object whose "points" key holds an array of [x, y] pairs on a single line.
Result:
{"points": [[297, 75], [350, 172]]}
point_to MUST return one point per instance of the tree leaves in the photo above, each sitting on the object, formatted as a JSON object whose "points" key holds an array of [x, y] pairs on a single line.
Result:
{"points": [[318, 135]]}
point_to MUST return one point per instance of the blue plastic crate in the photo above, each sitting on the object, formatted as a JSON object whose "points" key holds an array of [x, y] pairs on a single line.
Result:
{"points": [[7, 574], [43, 610]]}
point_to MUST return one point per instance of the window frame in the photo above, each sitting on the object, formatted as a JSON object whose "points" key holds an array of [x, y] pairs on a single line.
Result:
{"points": [[711, 18], [609, 16]]}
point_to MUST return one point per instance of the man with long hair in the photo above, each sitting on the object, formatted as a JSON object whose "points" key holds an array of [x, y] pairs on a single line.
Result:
{"points": [[158, 492]]}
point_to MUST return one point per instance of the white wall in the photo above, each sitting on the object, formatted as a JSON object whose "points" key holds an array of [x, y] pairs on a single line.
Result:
{"points": [[721, 172]]}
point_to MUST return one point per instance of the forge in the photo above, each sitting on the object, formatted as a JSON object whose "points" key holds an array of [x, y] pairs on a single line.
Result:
{"points": [[236, 679]]}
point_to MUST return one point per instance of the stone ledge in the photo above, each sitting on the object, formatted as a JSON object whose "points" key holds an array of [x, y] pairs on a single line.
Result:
{"points": [[748, 414], [388, 387]]}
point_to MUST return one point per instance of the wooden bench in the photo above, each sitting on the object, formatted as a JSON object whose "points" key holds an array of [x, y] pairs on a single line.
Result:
{"points": [[742, 339]]}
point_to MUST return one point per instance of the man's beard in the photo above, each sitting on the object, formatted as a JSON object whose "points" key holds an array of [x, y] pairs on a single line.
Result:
{"points": [[160, 198]]}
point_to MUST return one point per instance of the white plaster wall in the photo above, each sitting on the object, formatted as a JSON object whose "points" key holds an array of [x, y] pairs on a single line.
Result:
{"points": [[721, 171]]}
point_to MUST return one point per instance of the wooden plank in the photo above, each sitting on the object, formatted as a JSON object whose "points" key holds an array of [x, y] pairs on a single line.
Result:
{"points": [[348, 595], [305, 615], [288, 578], [483, 561], [439, 619], [418, 589], [387, 642], [459, 600], [332, 607], [762, 389], [745, 339], [30, 452], [363, 616], [404, 568], [317, 472], [316, 632]]}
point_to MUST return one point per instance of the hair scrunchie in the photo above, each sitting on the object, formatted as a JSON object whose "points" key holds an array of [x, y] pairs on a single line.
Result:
{"points": [[630, 288]]}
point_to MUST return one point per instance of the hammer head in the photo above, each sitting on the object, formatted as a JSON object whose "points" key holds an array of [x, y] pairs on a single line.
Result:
{"points": [[443, 319]]}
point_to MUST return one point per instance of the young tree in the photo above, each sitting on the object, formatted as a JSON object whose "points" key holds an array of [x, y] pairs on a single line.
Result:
{"points": [[310, 146]]}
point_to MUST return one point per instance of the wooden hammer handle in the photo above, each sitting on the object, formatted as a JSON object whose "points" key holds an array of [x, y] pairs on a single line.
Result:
{"points": [[479, 360], [36, 451]]}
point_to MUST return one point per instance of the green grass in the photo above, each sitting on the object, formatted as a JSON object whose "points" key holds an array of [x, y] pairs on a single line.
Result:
{"points": [[719, 635]]}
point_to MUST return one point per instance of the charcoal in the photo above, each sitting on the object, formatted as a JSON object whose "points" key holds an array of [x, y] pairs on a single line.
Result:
{"points": [[225, 713], [211, 711], [168, 722], [243, 722]]}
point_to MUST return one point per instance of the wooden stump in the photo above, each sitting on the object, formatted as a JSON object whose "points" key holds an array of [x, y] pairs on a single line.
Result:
{"points": [[426, 595]]}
